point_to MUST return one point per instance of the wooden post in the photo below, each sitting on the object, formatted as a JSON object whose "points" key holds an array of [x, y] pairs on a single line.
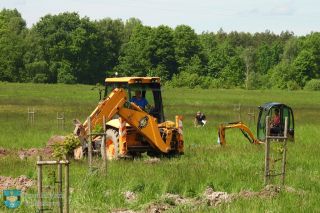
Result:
{"points": [[60, 188], [252, 116], [89, 144], [60, 120], [267, 153], [284, 154], [31, 116], [103, 146], [237, 108], [39, 180], [66, 185]]}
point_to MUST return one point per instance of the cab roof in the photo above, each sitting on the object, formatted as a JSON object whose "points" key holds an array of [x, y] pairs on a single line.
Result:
{"points": [[269, 105], [133, 80]]}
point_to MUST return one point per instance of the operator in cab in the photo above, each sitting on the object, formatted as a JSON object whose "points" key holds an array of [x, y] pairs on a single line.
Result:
{"points": [[139, 100]]}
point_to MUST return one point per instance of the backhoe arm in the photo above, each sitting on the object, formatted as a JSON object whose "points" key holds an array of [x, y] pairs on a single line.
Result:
{"points": [[239, 125], [117, 103]]}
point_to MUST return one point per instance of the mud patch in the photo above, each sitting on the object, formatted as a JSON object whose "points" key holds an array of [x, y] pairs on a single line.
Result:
{"points": [[21, 182]]}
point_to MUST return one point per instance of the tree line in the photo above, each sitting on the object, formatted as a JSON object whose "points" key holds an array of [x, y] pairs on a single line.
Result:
{"points": [[67, 48]]}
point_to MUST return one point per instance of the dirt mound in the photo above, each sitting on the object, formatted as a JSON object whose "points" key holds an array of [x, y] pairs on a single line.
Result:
{"points": [[152, 160], [122, 211], [21, 182], [46, 151], [175, 199], [210, 198], [130, 196], [157, 208], [268, 191], [3, 152], [24, 153], [216, 198]]}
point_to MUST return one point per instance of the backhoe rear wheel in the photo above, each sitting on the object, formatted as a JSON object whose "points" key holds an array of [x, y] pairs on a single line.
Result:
{"points": [[112, 144]]}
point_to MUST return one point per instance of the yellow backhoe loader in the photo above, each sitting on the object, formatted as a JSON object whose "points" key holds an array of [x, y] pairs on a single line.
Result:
{"points": [[132, 129], [272, 109]]}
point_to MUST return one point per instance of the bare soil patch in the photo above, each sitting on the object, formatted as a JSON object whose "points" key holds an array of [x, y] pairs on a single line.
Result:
{"points": [[21, 182]]}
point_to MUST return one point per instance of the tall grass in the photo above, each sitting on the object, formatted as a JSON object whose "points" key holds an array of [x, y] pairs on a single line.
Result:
{"points": [[238, 166]]}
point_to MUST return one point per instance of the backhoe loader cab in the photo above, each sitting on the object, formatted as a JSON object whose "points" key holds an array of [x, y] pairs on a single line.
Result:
{"points": [[149, 87], [277, 113]]}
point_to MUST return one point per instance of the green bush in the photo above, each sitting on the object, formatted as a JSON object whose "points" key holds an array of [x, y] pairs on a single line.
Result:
{"points": [[292, 85], [40, 78], [66, 147], [313, 84]]}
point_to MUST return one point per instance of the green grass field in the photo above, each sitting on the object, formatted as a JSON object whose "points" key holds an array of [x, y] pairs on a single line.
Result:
{"points": [[238, 166]]}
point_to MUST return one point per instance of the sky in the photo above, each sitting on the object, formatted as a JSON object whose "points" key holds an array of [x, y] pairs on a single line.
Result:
{"points": [[298, 16]]}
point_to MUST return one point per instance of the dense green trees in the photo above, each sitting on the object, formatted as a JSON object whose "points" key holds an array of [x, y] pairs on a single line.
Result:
{"points": [[66, 48]]}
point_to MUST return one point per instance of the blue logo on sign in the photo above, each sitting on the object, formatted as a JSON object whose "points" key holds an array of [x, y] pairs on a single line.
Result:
{"points": [[12, 198]]}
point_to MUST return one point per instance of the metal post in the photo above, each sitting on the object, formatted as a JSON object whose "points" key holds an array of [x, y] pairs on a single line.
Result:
{"points": [[39, 180], [103, 146], [66, 185], [267, 153], [89, 144], [60, 187]]}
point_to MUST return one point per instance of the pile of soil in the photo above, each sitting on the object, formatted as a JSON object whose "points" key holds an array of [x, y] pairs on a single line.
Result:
{"points": [[209, 197], [213, 198], [130, 196], [46, 151], [21, 182], [152, 160], [3, 152], [268, 191]]}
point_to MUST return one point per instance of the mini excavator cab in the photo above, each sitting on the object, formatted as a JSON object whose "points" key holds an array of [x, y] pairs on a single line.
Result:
{"points": [[276, 128]]}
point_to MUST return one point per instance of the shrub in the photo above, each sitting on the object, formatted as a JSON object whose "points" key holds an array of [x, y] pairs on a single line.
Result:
{"points": [[292, 85], [40, 78], [313, 84], [66, 147]]}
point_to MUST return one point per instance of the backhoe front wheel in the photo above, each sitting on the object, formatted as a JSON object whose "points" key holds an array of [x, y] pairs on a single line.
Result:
{"points": [[112, 144]]}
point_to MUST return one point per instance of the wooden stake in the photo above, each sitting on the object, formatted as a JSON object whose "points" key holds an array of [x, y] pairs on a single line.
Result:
{"points": [[284, 154], [60, 188], [103, 146], [267, 153], [39, 180], [89, 144], [66, 185]]}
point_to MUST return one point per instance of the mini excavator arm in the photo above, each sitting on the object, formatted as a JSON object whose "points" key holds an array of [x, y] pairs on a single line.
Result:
{"points": [[239, 125], [116, 103]]}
